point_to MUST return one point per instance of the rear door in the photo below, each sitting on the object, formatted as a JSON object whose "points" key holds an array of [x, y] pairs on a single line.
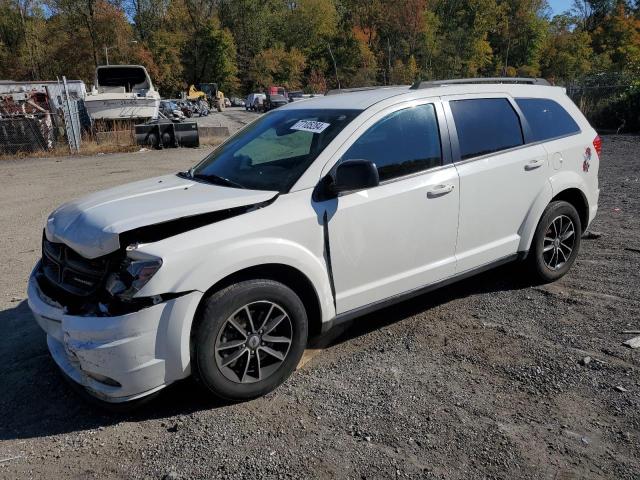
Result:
{"points": [[500, 176], [400, 235]]}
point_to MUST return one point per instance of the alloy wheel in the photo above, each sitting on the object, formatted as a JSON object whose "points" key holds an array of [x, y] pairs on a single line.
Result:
{"points": [[559, 242], [253, 342]]}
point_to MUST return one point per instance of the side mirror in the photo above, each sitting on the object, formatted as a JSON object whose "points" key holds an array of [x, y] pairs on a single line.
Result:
{"points": [[348, 176], [355, 175], [352, 175]]}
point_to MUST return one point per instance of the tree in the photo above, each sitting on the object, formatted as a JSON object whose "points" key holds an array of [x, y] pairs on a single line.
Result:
{"points": [[148, 16], [567, 52], [209, 56], [617, 38], [402, 74], [165, 48], [278, 66], [252, 32], [464, 38], [429, 43], [519, 37], [309, 24]]}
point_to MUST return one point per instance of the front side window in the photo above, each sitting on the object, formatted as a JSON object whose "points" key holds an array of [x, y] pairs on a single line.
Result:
{"points": [[274, 151], [485, 125], [403, 142], [546, 118]]}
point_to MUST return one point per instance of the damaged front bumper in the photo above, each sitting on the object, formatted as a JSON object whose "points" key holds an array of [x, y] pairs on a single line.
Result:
{"points": [[119, 358]]}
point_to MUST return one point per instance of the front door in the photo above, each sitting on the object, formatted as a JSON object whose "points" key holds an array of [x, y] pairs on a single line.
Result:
{"points": [[400, 235]]}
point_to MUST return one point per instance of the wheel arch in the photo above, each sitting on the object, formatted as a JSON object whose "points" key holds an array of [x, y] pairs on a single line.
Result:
{"points": [[578, 199], [290, 276], [570, 192]]}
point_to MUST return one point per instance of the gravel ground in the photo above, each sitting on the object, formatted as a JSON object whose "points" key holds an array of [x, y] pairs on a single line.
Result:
{"points": [[233, 117], [489, 378]]}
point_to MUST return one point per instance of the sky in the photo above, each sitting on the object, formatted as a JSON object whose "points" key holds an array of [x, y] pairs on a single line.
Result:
{"points": [[559, 6]]}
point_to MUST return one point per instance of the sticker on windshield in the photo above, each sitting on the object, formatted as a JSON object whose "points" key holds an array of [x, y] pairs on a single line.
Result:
{"points": [[310, 126]]}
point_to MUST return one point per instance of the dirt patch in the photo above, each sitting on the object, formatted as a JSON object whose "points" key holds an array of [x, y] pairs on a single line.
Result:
{"points": [[483, 379]]}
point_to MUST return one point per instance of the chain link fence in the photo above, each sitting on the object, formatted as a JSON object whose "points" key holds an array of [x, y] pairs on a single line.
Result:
{"points": [[41, 118], [611, 101], [31, 133]]}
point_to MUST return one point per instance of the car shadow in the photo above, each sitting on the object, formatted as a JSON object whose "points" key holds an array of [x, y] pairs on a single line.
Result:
{"points": [[507, 277], [36, 401]]}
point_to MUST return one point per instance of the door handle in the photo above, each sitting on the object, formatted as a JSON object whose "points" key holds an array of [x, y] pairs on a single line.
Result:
{"points": [[440, 190], [533, 164]]}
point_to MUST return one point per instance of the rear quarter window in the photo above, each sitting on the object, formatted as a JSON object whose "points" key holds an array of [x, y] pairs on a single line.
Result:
{"points": [[547, 119]]}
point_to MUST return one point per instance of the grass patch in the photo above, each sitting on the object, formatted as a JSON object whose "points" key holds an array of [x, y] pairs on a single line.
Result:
{"points": [[90, 146]]}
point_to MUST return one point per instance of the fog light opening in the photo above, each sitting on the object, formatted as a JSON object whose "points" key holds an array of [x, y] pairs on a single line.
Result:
{"points": [[102, 379]]}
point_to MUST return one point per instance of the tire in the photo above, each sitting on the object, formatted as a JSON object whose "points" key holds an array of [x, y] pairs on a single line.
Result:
{"points": [[551, 259], [214, 333]]}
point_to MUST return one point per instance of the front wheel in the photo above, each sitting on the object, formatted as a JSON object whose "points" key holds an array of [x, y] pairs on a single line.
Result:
{"points": [[556, 241], [249, 339]]}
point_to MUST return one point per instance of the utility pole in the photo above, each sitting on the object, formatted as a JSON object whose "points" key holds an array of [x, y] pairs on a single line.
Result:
{"points": [[389, 57], [335, 66], [106, 50]]}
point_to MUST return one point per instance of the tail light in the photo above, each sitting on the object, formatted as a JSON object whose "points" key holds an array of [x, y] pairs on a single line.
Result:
{"points": [[597, 145]]}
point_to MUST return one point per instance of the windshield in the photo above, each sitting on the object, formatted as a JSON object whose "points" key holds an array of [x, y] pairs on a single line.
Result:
{"points": [[275, 150], [128, 77]]}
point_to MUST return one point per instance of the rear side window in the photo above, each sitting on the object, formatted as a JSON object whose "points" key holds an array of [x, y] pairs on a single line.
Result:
{"points": [[546, 118], [403, 142], [485, 125]]}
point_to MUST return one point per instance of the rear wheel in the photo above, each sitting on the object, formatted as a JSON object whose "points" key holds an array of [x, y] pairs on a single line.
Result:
{"points": [[249, 339], [556, 241]]}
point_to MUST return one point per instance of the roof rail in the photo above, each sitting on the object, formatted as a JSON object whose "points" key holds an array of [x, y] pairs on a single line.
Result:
{"points": [[458, 81], [337, 91]]}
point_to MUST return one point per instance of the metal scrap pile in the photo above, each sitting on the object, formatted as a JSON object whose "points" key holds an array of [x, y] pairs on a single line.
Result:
{"points": [[27, 123]]}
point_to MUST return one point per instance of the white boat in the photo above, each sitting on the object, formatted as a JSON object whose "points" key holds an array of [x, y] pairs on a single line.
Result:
{"points": [[122, 92]]}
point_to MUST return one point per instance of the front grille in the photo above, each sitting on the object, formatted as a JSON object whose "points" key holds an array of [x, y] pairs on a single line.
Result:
{"points": [[72, 272]]}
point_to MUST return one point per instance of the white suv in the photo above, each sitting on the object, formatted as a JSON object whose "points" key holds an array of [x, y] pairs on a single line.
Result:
{"points": [[312, 215]]}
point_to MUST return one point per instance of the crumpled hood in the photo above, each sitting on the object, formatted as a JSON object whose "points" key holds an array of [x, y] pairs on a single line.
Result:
{"points": [[91, 225]]}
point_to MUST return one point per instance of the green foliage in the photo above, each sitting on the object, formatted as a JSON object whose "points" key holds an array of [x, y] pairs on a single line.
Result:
{"points": [[567, 54], [310, 24], [278, 66], [209, 56]]}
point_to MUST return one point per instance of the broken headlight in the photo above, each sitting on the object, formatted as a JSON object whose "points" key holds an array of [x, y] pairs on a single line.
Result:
{"points": [[135, 273]]}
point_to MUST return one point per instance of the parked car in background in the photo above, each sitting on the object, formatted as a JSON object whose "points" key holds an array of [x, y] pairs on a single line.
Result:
{"points": [[273, 90], [295, 96], [237, 102], [200, 107], [186, 107], [171, 110], [227, 102], [254, 100], [314, 215], [274, 101]]}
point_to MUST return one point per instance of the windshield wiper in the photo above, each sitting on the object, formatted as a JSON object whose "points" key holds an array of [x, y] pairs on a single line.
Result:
{"points": [[217, 179]]}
